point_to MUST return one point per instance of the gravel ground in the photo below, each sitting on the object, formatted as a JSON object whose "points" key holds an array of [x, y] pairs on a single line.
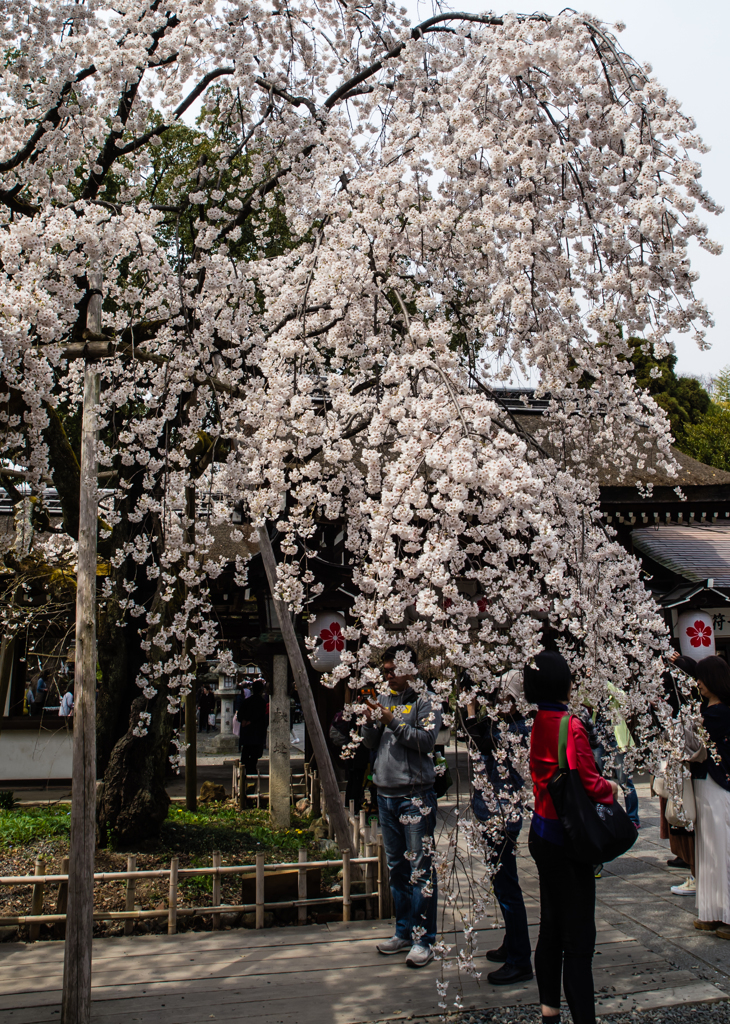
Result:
{"points": [[705, 1013]]}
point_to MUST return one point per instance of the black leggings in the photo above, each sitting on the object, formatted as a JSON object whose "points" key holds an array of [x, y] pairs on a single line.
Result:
{"points": [[567, 929]]}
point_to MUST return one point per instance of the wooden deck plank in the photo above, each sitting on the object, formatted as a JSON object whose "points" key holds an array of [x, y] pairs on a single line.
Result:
{"points": [[284, 963], [368, 1003]]}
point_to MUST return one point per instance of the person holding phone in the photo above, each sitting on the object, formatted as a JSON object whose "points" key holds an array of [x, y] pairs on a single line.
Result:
{"points": [[402, 728]]}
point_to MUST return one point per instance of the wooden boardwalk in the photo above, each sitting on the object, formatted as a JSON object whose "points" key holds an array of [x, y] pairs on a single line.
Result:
{"points": [[648, 955]]}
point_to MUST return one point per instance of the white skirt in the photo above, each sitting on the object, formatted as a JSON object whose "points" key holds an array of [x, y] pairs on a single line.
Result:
{"points": [[712, 850]]}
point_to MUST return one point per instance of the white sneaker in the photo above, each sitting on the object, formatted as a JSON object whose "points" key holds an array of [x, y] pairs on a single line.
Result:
{"points": [[393, 945], [687, 888], [419, 956]]}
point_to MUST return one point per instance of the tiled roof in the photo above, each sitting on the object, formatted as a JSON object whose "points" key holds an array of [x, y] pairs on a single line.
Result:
{"points": [[694, 552]]}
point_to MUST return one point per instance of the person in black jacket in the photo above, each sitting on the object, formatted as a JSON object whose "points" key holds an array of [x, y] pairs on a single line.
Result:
{"points": [[253, 715], [500, 780]]}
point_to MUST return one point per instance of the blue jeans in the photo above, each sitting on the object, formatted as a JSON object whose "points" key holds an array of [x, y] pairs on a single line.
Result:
{"points": [[410, 875], [509, 895], [627, 785]]}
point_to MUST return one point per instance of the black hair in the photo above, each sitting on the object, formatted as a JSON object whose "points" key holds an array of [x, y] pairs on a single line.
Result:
{"points": [[714, 672], [390, 654], [688, 665], [549, 680]]}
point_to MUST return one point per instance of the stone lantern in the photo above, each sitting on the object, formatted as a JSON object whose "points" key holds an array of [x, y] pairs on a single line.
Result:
{"points": [[225, 742]]}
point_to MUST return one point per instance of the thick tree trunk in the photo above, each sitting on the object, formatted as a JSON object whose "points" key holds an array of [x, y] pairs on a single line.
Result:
{"points": [[132, 802]]}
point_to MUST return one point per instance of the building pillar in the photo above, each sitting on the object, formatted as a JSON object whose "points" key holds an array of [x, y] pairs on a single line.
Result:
{"points": [[279, 747]]}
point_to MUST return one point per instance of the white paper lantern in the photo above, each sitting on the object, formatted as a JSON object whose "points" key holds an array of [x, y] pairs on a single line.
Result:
{"points": [[696, 635], [329, 629]]}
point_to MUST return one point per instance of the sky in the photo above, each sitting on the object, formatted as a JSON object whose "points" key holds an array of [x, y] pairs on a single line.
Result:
{"points": [[686, 44]]}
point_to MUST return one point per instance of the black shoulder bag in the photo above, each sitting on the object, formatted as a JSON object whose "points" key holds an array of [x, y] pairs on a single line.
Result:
{"points": [[594, 833]]}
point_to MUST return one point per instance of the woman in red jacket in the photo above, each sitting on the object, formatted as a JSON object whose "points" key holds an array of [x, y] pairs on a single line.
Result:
{"points": [[567, 888]]}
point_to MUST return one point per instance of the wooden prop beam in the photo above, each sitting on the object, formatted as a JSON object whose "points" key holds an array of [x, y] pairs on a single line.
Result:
{"points": [[328, 780]]}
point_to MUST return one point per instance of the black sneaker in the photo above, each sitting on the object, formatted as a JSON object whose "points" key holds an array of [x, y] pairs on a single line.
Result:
{"points": [[497, 956], [677, 862], [508, 974]]}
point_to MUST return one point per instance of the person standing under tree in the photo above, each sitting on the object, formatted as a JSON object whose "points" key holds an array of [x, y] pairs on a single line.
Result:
{"points": [[567, 935], [502, 823], [253, 714], [402, 729]]}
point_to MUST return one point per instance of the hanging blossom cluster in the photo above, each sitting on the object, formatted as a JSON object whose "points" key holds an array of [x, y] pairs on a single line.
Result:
{"points": [[327, 239]]}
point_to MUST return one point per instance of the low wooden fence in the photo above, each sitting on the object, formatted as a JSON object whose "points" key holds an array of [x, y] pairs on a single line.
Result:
{"points": [[372, 867]]}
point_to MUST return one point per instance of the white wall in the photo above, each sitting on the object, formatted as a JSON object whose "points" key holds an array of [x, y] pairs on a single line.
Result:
{"points": [[35, 756]]}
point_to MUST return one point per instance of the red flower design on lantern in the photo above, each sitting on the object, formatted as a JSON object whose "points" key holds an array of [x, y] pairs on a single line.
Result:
{"points": [[332, 638], [700, 635]]}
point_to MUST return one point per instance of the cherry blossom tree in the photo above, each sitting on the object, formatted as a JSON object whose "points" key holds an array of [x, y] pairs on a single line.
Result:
{"points": [[383, 225]]}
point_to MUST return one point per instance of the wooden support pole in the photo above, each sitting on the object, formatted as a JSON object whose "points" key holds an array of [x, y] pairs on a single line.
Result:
{"points": [[240, 769], [369, 852], [131, 893], [316, 796], [363, 831], [279, 747], [384, 894], [260, 890], [62, 900], [346, 886], [326, 771], [7, 652], [216, 890], [302, 886], [76, 1002], [172, 899], [36, 903]]}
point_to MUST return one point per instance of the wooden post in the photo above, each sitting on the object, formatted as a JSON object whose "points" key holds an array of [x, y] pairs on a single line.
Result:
{"points": [[355, 825], [369, 852], [316, 796], [384, 894], [130, 893], [363, 831], [260, 890], [302, 886], [7, 652], [62, 901], [216, 889], [172, 899], [76, 1003], [36, 903], [240, 769], [191, 724], [326, 771], [346, 886], [279, 748]]}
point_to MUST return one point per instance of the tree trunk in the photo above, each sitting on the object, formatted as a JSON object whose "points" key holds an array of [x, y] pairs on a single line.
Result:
{"points": [[132, 801]]}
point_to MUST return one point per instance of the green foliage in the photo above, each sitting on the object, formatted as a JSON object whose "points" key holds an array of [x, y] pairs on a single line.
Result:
{"points": [[6, 800], [29, 825], [709, 440], [228, 830], [683, 398], [721, 387]]}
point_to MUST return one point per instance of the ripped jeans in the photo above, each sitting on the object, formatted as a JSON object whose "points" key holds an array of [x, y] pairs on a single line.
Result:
{"points": [[409, 875]]}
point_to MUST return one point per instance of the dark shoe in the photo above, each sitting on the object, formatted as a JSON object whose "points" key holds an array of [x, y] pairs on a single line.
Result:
{"points": [[508, 974], [497, 956], [677, 862]]}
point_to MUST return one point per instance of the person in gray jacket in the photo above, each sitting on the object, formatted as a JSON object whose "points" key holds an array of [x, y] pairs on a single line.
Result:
{"points": [[403, 730]]}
